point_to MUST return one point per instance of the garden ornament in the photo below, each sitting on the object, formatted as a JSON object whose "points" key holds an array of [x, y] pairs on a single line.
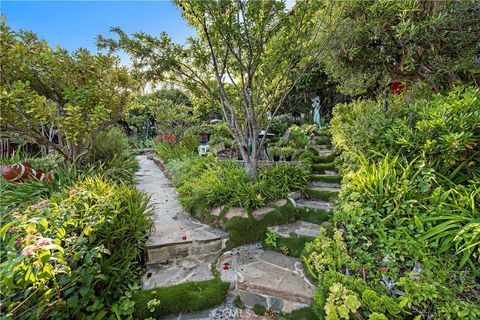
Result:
{"points": [[203, 148], [21, 172], [316, 111]]}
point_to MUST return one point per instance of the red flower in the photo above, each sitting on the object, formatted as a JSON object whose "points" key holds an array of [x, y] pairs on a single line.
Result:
{"points": [[184, 237], [170, 138], [226, 266], [397, 87]]}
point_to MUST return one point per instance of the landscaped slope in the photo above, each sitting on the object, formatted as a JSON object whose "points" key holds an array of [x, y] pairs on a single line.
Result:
{"points": [[405, 242]]}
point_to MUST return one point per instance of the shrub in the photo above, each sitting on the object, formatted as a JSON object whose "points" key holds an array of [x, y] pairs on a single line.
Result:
{"points": [[215, 183], [280, 123], [74, 255], [169, 152], [298, 139], [108, 144], [282, 178]]}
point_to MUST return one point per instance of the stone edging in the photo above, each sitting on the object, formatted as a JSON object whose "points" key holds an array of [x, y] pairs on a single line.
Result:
{"points": [[159, 162]]}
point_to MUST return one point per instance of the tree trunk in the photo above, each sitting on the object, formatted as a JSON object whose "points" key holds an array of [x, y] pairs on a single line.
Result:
{"points": [[250, 165], [75, 155], [250, 161]]}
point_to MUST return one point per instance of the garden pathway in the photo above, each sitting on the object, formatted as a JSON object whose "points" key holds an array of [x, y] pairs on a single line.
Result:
{"points": [[179, 248]]}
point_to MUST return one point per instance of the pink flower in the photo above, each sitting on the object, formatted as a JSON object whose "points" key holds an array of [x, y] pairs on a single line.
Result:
{"points": [[29, 250], [31, 238], [44, 203], [44, 241], [18, 241], [416, 277], [17, 215], [72, 192], [34, 206]]}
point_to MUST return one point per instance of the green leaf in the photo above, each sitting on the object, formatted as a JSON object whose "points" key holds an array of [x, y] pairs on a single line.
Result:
{"points": [[4, 229]]}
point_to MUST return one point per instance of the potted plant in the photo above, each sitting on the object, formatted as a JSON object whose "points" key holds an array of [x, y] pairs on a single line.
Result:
{"points": [[274, 153]]}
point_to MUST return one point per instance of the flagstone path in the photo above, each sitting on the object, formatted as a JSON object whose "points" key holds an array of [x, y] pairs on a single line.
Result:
{"points": [[181, 249]]}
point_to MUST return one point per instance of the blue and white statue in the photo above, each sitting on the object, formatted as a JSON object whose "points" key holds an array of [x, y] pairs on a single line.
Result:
{"points": [[316, 111]]}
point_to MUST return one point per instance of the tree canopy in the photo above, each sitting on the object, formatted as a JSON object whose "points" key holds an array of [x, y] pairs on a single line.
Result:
{"points": [[246, 58], [415, 41], [46, 91]]}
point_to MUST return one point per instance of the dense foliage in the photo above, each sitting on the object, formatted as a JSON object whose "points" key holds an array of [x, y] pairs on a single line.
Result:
{"points": [[75, 254], [212, 183], [119, 169], [406, 236]]}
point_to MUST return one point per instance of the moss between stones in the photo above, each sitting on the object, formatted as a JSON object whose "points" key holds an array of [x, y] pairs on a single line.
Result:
{"points": [[324, 159], [294, 245], [332, 178], [323, 142], [259, 310], [318, 216], [301, 314], [181, 298], [321, 194], [321, 167], [249, 230]]}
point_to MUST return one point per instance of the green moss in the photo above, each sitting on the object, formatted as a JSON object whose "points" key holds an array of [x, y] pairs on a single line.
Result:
{"points": [[314, 216], [321, 167], [321, 194], [326, 178], [300, 314], [259, 310], [313, 150], [295, 245], [324, 159], [238, 303], [181, 298], [249, 230], [323, 142]]}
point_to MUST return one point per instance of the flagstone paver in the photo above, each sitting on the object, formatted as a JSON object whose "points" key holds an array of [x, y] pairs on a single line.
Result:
{"points": [[266, 277]]}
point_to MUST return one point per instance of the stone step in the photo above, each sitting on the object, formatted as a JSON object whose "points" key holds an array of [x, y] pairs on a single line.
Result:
{"points": [[314, 205], [325, 158], [322, 167], [267, 278], [323, 142], [298, 228], [191, 268], [185, 243], [333, 178], [322, 193], [323, 184]]}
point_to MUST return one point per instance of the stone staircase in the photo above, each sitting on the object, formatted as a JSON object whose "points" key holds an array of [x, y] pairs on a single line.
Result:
{"points": [[272, 279], [325, 182], [182, 249], [179, 248]]}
